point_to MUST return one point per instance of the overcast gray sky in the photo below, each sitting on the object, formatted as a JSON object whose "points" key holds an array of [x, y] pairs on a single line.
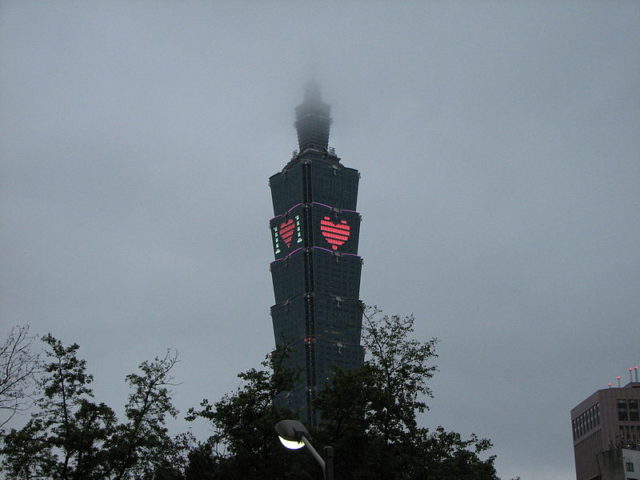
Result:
{"points": [[500, 157]]}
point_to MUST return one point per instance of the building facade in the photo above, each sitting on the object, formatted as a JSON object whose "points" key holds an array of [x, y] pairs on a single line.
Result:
{"points": [[619, 464], [317, 314], [606, 425]]}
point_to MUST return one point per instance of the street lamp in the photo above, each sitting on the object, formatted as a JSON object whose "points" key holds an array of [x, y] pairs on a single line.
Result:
{"points": [[294, 435]]}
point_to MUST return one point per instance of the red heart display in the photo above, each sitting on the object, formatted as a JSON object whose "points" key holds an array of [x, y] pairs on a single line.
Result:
{"points": [[286, 231], [335, 233]]}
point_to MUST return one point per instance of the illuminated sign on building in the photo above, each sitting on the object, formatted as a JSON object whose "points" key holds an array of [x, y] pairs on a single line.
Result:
{"points": [[326, 227], [335, 233], [287, 232]]}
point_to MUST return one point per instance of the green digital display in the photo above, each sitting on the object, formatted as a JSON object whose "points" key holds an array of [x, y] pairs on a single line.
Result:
{"points": [[287, 235]]}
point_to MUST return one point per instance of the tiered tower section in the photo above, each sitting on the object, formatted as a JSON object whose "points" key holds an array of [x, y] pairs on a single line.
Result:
{"points": [[316, 272]]}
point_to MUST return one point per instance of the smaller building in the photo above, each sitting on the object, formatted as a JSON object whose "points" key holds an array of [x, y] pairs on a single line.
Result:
{"points": [[606, 434], [619, 464]]}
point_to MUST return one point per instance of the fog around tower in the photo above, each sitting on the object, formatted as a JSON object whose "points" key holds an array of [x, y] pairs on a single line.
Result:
{"points": [[498, 149]]}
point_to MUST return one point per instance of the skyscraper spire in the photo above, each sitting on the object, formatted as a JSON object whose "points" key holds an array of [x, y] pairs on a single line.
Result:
{"points": [[313, 119]]}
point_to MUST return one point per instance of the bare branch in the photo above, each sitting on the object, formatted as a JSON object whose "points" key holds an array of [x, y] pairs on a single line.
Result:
{"points": [[17, 368]]}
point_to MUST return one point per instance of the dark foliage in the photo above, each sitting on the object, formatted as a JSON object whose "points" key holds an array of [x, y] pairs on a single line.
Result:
{"points": [[369, 416], [72, 437], [244, 445]]}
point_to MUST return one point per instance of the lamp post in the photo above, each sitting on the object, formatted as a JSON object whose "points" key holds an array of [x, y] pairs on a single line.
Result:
{"points": [[294, 435]]}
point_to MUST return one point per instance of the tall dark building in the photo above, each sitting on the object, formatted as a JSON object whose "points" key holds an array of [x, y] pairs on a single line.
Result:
{"points": [[316, 272]]}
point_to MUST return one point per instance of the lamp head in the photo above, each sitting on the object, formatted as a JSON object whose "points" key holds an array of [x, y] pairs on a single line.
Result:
{"points": [[290, 433]]}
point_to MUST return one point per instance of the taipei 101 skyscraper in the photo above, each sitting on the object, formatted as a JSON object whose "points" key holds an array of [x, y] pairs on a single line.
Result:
{"points": [[316, 273]]}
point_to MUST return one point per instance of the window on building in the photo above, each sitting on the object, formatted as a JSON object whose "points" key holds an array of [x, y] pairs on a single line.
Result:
{"points": [[633, 410], [623, 414], [629, 466]]}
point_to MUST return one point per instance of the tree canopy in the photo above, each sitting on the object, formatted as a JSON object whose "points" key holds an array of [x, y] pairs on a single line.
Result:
{"points": [[71, 436], [369, 415]]}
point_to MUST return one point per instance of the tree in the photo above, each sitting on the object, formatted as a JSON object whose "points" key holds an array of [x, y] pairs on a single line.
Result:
{"points": [[368, 415], [202, 463], [371, 412], [399, 368], [72, 437], [17, 367], [244, 445], [63, 438], [142, 443]]}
